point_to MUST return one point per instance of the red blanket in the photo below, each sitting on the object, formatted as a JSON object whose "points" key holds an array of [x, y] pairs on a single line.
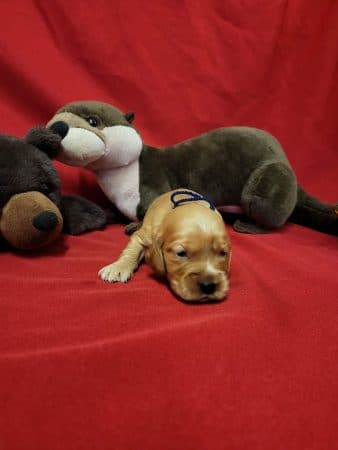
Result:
{"points": [[88, 365]]}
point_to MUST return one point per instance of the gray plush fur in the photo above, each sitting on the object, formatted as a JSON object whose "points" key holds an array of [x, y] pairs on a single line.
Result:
{"points": [[232, 166], [236, 166], [105, 114]]}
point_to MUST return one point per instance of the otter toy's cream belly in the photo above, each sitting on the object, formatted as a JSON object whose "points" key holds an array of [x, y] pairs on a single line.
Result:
{"points": [[121, 186]]}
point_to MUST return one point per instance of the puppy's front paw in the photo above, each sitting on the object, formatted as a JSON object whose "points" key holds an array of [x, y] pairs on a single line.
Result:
{"points": [[117, 271]]}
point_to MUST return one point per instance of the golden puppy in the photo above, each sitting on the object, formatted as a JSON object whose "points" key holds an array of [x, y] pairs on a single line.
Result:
{"points": [[183, 237]]}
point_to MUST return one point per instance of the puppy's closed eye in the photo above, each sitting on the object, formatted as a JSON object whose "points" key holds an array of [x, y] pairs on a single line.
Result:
{"points": [[182, 254]]}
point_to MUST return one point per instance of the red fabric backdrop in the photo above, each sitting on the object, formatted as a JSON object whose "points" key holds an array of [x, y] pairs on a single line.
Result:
{"points": [[86, 365]]}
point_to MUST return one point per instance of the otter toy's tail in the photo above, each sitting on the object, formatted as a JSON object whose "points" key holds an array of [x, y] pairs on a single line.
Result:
{"points": [[315, 214]]}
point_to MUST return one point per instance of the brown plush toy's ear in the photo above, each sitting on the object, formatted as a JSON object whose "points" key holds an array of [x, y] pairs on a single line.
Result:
{"points": [[30, 220], [44, 139], [130, 116]]}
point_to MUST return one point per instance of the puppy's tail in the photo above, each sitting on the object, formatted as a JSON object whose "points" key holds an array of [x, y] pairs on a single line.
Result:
{"points": [[313, 213]]}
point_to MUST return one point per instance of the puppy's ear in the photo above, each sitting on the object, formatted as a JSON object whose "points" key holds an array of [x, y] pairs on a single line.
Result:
{"points": [[228, 260], [44, 139], [155, 256], [130, 116]]}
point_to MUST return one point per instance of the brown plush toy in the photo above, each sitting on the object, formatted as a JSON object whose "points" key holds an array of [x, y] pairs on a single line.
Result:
{"points": [[33, 211], [30, 220]]}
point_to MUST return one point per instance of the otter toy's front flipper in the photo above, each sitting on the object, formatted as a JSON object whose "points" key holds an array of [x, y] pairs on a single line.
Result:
{"points": [[131, 227]]}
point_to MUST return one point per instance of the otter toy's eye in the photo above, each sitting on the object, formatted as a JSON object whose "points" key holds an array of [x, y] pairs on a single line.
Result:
{"points": [[182, 254], [92, 121], [223, 253]]}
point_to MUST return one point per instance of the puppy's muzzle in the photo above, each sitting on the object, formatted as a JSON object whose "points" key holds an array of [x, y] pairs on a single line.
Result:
{"points": [[204, 287]]}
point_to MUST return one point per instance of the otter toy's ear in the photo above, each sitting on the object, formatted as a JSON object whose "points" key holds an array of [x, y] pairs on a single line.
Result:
{"points": [[130, 116], [44, 139]]}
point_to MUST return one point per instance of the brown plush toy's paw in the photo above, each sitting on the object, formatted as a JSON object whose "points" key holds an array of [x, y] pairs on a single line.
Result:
{"points": [[30, 220], [81, 215], [44, 139]]}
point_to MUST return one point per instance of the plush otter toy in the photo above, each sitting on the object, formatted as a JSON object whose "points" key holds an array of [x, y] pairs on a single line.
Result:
{"points": [[32, 211], [239, 168]]}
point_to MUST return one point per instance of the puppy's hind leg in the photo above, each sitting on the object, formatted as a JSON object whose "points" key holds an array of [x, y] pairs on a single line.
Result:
{"points": [[123, 269]]}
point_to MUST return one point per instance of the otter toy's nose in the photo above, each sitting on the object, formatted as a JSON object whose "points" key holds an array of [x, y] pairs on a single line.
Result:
{"points": [[45, 221], [60, 128]]}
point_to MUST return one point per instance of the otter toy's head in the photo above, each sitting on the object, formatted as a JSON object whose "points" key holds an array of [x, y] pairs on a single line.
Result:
{"points": [[96, 135]]}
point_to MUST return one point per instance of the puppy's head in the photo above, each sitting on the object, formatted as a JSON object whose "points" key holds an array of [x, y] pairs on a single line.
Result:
{"points": [[193, 250]]}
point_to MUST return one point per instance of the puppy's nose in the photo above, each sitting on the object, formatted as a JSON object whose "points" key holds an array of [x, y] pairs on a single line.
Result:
{"points": [[208, 287]]}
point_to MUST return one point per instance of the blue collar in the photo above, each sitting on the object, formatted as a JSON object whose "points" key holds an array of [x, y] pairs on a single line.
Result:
{"points": [[192, 197]]}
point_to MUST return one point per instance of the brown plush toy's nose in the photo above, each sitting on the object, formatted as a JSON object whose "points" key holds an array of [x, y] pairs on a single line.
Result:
{"points": [[60, 128], [30, 220], [45, 221]]}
